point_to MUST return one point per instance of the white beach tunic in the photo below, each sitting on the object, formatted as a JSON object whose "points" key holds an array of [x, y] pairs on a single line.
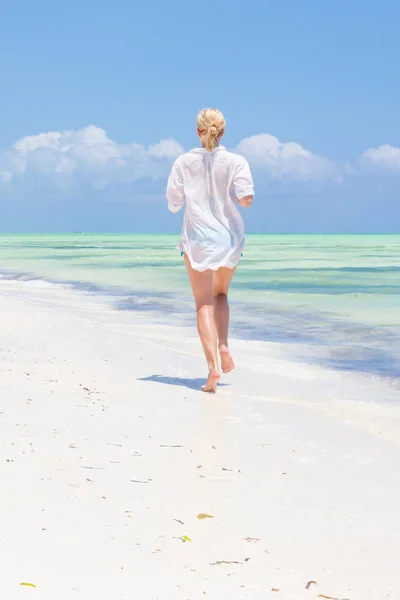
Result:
{"points": [[211, 183]]}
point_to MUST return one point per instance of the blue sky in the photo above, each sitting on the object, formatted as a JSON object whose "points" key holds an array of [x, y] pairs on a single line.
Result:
{"points": [[122, 76]]}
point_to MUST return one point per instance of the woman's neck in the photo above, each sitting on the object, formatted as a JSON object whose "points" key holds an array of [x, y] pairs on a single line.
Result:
{"points": [[215, 145]]}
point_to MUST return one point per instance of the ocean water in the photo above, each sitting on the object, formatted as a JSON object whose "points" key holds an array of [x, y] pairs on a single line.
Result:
{"points": [[334, 300]]}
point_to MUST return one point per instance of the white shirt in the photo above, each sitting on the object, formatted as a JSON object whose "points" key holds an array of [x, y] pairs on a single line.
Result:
{"points": [[211, 183]]}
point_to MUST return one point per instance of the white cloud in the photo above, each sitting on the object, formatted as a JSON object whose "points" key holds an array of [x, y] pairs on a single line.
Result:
{"points": [[71, 162], [84, 156], [287, 161], [166, 149], [386, 157]]}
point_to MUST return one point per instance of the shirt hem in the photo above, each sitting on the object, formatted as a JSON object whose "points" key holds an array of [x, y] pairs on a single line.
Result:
{"points": [[226, 263]]}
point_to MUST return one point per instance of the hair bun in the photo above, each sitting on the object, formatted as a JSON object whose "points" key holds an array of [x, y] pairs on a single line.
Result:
{"points": [[211, 125]]}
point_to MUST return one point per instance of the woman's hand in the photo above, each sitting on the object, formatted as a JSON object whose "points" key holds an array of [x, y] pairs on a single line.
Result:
{"points": [[246, 201]]}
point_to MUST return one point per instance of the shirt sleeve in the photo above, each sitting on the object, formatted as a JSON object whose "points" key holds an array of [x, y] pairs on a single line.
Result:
{"points": [[175, 191], [243, 180]]}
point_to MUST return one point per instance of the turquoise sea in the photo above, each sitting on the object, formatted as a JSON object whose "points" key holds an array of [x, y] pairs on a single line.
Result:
{"points": [[335, 298]]}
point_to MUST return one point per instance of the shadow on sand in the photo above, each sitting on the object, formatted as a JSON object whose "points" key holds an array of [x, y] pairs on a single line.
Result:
{"points": [[193, 384]]}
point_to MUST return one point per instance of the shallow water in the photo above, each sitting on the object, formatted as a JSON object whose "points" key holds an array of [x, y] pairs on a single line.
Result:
{"points": [[334, 300]]}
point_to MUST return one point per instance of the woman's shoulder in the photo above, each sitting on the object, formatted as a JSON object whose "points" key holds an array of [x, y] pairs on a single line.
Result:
{"points": [[233, 158], [188, 156], [180, 161], [196, 154]]}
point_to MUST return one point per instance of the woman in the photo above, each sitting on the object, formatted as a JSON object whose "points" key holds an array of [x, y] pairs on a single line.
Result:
{"points": [[212, 181]]}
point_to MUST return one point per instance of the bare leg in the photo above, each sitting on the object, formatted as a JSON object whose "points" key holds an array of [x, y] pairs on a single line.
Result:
{"points": [[201, 282], [221, 312], [221, 282]]}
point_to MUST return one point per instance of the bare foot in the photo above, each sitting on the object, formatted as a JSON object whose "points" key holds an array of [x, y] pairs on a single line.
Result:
{"points": [[211, 385], [226, 360]]}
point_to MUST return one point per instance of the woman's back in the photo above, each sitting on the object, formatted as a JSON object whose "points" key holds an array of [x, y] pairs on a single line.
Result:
{"points": [[210, 182]]}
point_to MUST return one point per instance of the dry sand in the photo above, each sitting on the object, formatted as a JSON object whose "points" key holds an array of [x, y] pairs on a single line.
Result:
{"points": [[109, 452]]}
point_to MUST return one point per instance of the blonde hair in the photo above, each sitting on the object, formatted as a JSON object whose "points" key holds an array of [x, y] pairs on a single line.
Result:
{"points": [[211, 126]]}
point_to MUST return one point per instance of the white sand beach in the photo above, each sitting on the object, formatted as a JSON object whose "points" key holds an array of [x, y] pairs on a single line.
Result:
{"points": [[110, 453]]}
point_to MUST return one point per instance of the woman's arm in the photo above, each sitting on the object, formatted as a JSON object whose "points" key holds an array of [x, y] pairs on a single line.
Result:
{"points": [[243, 183], [175, 190]]}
